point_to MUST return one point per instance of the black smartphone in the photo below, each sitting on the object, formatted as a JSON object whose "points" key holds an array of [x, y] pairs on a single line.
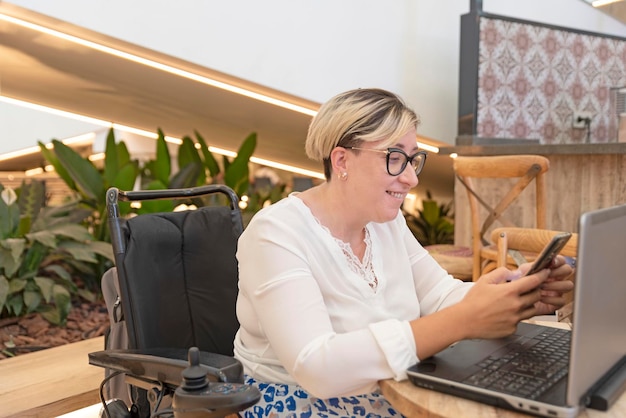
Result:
{"points": [[550, 251]]}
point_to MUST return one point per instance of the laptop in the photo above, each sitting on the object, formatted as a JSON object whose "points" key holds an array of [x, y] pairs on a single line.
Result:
{"points": [[595, 346]]}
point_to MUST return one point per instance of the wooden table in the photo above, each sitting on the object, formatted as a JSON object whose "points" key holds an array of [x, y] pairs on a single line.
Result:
{"points": [[413, 401], [50, 382]]}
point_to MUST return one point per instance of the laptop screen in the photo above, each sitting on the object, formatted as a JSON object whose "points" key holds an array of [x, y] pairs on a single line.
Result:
{"points": [[599, 328]]}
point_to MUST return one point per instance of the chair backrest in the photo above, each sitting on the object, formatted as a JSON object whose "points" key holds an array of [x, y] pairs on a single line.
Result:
{"points": [[177, 271], [489, 203]]}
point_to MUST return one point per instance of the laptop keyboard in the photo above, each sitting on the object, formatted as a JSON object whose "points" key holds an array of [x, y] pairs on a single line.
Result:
{"points": [[523, 370]]}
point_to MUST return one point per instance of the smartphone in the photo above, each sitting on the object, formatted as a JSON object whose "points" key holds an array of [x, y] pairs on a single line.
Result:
{"points": [[550, 251]]}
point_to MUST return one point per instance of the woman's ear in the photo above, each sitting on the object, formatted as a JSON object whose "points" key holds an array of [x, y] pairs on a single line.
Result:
{"points": [[338, 160]]}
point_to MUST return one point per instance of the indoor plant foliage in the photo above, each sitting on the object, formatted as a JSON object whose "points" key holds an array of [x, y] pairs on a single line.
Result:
{"points": [[196, 166], [91, 183], [434, 223], [41, 250]]}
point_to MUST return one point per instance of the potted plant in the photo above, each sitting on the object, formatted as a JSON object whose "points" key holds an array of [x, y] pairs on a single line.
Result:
{"points": [[42, 250]]}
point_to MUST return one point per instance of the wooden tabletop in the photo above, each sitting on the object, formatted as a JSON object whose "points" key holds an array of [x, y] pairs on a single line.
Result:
{"points": [[413, 401], [50, 382]]}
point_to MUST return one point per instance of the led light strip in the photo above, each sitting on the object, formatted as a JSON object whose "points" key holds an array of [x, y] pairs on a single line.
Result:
{"points": [[141, 132], [160, 66], [600, 3], [175, 71]]}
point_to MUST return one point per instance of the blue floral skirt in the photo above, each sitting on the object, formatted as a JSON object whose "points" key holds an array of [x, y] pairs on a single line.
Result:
{"points": [[291, 401]]}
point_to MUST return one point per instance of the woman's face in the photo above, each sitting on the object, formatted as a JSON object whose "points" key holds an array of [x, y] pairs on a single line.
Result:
{"points": [[377, 195]]}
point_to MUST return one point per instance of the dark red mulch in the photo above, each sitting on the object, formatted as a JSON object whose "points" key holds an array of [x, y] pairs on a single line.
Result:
{"points": [[32, 332]]}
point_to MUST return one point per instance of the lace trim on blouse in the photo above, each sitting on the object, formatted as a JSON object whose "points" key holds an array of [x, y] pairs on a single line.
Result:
{"points": [[364, 268]]}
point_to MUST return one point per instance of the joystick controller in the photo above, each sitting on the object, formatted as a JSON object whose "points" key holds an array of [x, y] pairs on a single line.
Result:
{"points": [[196, 397]]}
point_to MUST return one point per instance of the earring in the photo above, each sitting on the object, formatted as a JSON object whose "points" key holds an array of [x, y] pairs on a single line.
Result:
{"points": [[343, 176]]}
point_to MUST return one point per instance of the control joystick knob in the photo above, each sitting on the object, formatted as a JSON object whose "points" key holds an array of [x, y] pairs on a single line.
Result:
{"points": [[194, 376]]}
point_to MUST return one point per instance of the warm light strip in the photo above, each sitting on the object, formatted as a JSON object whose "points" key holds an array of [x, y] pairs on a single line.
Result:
{"points": [[135, 131], [177, 71], [286, 167], [85, 138], [429, 148], [154, 135], [160, 66], [600, 3]]}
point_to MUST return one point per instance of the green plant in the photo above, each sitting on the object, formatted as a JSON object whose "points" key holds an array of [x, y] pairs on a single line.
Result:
{"points": [[434, 223], [42, 249], [90, 183], [197, 166]]}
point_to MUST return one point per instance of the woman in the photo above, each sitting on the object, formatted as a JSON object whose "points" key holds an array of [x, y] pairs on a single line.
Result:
{"points": [[335, 291]]}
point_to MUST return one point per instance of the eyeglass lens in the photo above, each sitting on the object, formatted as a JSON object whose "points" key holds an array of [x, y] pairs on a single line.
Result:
{"points": [[397, 161]]}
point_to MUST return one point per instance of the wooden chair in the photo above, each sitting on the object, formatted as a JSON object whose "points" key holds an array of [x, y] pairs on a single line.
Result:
{"points": [[531, 241], [513, 175]]}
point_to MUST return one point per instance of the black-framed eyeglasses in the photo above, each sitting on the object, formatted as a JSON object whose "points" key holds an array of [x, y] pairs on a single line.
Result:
{"points": [[397, 159]]}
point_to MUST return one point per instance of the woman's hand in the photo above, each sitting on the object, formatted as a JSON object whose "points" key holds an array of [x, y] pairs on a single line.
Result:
{"points": [[555, 286], [494, 307]]}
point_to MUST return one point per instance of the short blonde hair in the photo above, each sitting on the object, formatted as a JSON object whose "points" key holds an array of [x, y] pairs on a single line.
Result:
{"points": [[354, 117]]}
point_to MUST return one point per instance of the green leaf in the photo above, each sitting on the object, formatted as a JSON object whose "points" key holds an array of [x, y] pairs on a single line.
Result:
{"points": [[430, 212], [79, 251], [51, 314], [45, 285], [111, 160], [58, 167], [187, 176], [45, 237], [4, 291], [123, 156], [62, 300], [83, 172], [59, 271], [163, 164], [32, 299], [102, 248], [209, 160], [32, 198], [9, 219], [32, 260], [16, 285], [87, 295], [15, 304], [188, 155], [237, 174], [11, 251], [125, 178], [24, 226], [155, 206], [73, 231]]}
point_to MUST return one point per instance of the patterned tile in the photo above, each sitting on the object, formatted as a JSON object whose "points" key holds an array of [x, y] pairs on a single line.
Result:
{"points": [[533, 78]]}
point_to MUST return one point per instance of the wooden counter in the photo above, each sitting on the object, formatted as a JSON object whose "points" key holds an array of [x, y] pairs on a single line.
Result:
{"points": [[50, 382], [412, 401], [582, 177]]}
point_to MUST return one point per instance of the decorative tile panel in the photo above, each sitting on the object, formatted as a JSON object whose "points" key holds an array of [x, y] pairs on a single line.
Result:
{"points": [[532, 78]]}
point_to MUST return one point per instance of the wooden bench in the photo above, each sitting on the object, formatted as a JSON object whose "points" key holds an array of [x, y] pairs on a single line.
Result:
{"points": [[50, 382]]}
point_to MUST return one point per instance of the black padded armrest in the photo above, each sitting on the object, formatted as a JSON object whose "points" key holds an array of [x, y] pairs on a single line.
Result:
{"points": [[166, 364]]}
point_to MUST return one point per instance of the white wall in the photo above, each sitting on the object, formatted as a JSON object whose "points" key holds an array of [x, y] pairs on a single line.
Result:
{"points": [[575, 14], [312, 49]]}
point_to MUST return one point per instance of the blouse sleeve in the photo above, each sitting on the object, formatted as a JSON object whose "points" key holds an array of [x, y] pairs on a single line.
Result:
{"points": [[436, 289]]}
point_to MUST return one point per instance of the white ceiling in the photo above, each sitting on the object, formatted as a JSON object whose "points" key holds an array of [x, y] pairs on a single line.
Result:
{"points": [[43, 69]]}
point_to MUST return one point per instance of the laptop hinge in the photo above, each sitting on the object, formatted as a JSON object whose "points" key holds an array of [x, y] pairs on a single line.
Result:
{"points": [[609, 388]]}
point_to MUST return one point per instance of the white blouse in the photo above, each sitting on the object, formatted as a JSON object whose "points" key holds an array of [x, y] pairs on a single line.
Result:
{"points": [[307, 318]]}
